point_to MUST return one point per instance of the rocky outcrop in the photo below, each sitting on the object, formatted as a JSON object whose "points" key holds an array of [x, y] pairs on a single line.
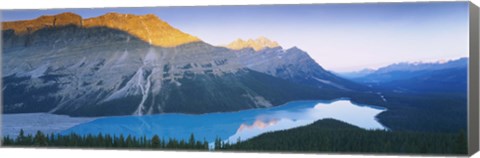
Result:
{"points": [[257, 44], [148, 28], [46, 21]]}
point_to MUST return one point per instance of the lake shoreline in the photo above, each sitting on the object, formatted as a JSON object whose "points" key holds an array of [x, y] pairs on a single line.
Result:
{"points": [[244, 123]]}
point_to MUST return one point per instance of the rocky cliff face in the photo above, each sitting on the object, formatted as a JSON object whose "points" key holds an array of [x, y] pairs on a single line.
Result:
{"points": [[148, 28], [101, 68], [46, 21], [294, 65]]}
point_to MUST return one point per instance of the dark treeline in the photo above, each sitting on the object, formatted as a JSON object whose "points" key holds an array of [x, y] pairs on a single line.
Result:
{"points": [[103, 141], [327, 135], [420, 112], [330, 135]]}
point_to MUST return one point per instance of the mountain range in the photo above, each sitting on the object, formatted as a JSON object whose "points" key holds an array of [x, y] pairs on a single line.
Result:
{"points": [[124, 64], [441, 76]]}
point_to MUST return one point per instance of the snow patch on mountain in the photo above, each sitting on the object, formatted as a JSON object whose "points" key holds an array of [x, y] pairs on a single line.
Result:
{"points": [[123, 57], [382, 96], [331, 83], [259, 100], [35, 73], [133, 87], [145, 89]]}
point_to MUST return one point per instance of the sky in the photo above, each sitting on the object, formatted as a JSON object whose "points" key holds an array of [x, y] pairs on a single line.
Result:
{"points": [[339, 37]]}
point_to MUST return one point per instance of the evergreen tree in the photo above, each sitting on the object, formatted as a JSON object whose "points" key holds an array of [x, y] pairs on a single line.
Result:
{"points": [[155, 141], [163, 143], [461, 143], [21, 138], [51, 139], [217, 144], [145, 142], [191, 141], [182, 144], [40, 139], [108, 140], [121, 141], [100, 140]]}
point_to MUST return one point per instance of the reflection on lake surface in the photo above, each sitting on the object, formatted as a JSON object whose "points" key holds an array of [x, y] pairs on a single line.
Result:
{"points": [[232, 126]]}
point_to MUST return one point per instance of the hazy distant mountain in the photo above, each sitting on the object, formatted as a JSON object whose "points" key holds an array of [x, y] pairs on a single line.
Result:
{"points": [[257, 44], [122, 64], [417, 66], [356, 74], [437, 76]]}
